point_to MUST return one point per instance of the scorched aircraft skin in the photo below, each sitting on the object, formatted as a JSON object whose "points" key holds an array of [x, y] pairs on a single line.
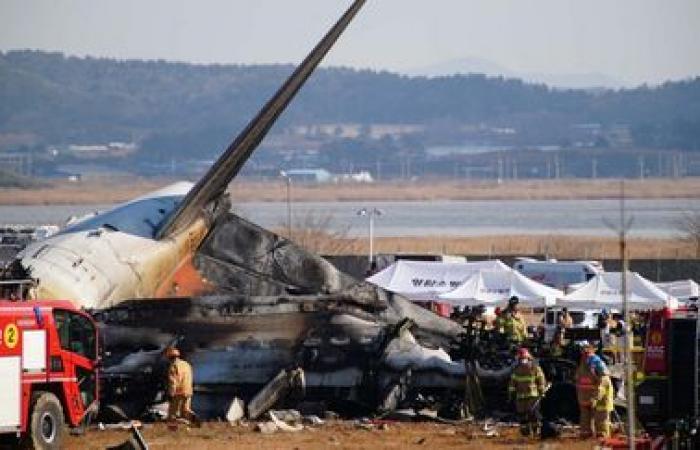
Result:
{"points": [[243, 303]]}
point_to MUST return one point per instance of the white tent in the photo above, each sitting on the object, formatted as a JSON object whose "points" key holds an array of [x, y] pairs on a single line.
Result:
{"points": [[681, 289], [426, 280], [605, 291], [494, 287]]}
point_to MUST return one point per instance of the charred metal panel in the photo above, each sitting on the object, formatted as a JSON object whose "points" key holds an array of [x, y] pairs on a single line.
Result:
{"points": [[252, 251]]}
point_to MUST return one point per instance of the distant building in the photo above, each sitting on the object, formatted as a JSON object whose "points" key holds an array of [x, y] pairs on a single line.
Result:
{"points": [[359, 177], [324, 176], [100, 150], [309, 175], [356, 130], [18, 163]]}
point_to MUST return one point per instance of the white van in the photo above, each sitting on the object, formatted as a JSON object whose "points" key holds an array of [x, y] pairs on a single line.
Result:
{"points": [[564, 275], [581, 318]]}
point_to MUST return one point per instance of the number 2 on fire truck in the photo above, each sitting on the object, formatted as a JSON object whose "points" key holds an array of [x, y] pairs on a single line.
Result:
{"points": [[11, 335]]}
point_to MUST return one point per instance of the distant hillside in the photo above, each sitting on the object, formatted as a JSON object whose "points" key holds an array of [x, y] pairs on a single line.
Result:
{"points": [[174, 105], [469, 65]]}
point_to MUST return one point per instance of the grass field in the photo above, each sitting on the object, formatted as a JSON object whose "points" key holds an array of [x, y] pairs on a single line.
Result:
{"points": [[117, 190]]}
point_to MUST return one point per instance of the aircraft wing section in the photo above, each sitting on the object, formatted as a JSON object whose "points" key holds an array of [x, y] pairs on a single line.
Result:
{"points": [[215, 181]]}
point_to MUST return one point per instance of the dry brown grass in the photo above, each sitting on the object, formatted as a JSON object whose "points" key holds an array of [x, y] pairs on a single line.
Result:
{"points": [[462, 190], [117, 190], [554, 246], [92, 192]]}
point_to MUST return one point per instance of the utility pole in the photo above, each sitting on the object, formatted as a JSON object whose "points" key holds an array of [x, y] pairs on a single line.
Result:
{"points": [[622, 230]]}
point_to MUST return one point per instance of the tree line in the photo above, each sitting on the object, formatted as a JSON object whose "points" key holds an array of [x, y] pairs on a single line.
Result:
{"points": [[177, 107]]}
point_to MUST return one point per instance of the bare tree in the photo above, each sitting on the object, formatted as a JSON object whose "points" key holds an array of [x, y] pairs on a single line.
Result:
{"points": [[689, 227], [317, 233]]}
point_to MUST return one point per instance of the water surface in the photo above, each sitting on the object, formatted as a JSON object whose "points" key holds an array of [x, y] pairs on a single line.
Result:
{"points": [[651, 218]]}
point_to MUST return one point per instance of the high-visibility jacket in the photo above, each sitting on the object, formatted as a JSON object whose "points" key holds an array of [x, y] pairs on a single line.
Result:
{"points": [[514, 328], [603, 400], [527, 381], [180, 378]]}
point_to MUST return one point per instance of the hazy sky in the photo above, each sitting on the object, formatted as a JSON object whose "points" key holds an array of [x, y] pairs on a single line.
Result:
{"points": [[634, 40]]}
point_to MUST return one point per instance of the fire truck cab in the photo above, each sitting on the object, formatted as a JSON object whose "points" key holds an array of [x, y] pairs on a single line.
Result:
{"points": [[48, 368]]}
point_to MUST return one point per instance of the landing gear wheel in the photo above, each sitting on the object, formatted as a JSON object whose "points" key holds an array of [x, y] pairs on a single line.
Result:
{"points": [[46, 423]]}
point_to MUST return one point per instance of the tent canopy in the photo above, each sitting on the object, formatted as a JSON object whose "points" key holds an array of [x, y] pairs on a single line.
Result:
{"points": [[681, 289], [426, 280], [605, 291], [495, 287]]}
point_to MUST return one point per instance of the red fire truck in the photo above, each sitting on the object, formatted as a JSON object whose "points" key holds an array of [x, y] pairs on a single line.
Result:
{"points": [[668, 400], [48, 370]]}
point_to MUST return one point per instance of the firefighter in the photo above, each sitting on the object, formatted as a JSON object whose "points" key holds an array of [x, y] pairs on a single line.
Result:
{"points": [[514, 327], [565, 319], [497, 323], [586, 386], [179, 386], [527, 386], [602, 401]]}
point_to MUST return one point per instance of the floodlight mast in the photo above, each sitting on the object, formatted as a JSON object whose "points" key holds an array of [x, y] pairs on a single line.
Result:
{"points": [[370, 213]]}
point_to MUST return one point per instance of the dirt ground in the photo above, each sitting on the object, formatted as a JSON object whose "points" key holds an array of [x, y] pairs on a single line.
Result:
{"points": [[335, 435]]}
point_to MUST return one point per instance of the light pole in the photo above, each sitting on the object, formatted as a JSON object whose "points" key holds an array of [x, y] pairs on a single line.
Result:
{"points": [[370, 213], [288, 180], [622, 231]]}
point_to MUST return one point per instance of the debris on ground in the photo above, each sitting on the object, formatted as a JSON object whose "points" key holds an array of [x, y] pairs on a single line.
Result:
{"points": [[236, 411], [314, 420], [126, 425], [337, 434], [292, 427], [135, 442], [266, 427]]}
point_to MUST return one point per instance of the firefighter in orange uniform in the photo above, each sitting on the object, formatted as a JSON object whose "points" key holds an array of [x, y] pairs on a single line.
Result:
{"points": [[586, 388], [602, 402], [527, 386], [179, 386]]}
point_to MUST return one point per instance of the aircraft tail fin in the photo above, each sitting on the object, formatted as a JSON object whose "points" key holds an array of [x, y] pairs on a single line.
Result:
{"points": [[215, 181]]}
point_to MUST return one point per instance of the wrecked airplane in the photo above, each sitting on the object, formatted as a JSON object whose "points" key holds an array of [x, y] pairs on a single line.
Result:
{"points": [[246, 306]]}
